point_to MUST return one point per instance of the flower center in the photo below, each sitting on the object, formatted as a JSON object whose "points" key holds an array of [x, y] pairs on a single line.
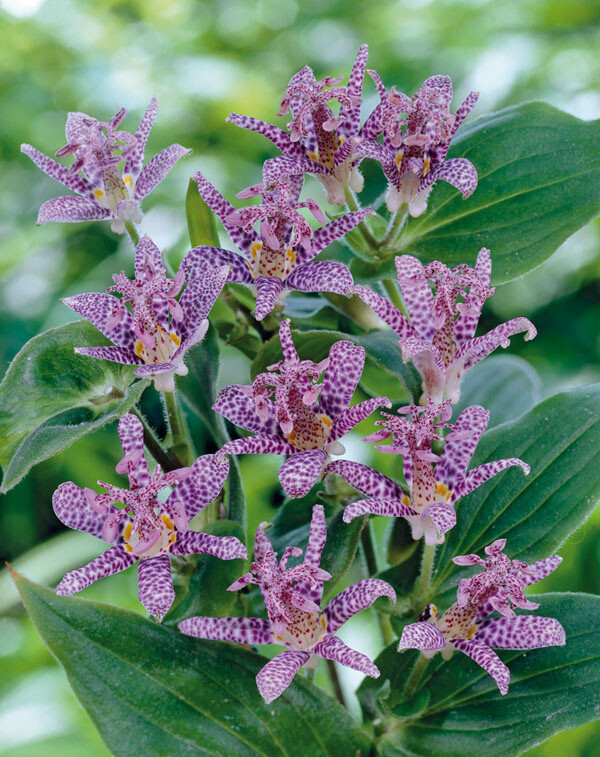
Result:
{"points": [[269, 262], [304, 631], [149, 539], [165, 345]]}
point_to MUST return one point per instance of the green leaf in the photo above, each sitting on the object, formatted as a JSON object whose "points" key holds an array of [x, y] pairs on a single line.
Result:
{"points": [[381, 348], [50, 397], [505, 385], [560, 439], [202, 226], [150, 690], [539, 181], [551, 689]]}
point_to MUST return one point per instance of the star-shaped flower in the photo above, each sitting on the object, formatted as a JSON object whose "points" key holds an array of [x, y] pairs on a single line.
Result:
{"points": [[292, 597], [105, 191], [144, 528]]}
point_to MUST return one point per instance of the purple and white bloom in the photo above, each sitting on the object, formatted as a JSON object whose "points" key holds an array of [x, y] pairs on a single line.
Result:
{"points": [[293, 597], [157, 330], [279, 256], [294, 415], [105, 190], [435, 482], [317, 137], [466, 626], [417, 133], [145, 528], [439, 335]]}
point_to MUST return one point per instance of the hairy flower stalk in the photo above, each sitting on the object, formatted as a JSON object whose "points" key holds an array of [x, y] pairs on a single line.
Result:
{"points": [[466, 625], [157, 329], [293, 415], [142, 527], [435, 481], [106, 190], [439, 334], [292, 597]]}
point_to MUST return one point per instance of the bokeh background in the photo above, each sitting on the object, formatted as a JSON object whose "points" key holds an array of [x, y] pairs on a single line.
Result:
{"points": [[203, 60]]}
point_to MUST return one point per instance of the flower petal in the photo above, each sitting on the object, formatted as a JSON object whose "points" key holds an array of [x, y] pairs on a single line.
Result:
{"points": [[333, 648], [279, 672], [147, 258], [466, 323], [521, 632], [355, 598], [539, 569], [199, 297], [485, 658], [346, 361], [316, 541], [460, 446], [268, 289], [459, 172], [333, 230], [355, 415], [202, 486], [70, 209], [131, 434], [279, 137], [115, 354], [365, 479], [396, 320], [321, 276], [157, 168], [72, 509], [261, 444], [300, 472], [98, 308], [442, 517], [199, 259], [351, 115], [417, 295], [483, 473], [474, 351], [155, 585], [377, 506], [112, 561], [424, 636], [241, 630], [135, 156], [71, 179], [198, 543], [234, 404]]}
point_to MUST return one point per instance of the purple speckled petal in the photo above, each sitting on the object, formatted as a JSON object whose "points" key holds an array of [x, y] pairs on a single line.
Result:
{"points": [[155, 585], [287, 343], [279, 137], [483, 473], [200, 259], [438, 518], [157, 168], [235, 404], [300, 472], [423, 636], [279, 672], [112, 561], [346, 361], [466, 323], [333, 648], [241, 630], [416, 293], [321, 276], [355, 598], [115, 354], [485, 658], [147, 257], [199, 296], [72, 509], [366, 480], [327, 234], [540, 569], [268, 289], [521, 632], [201, 487], [135, 156], [261, 444], [429, 362], [98, 309], [55, 170], [475, 350], [316, 541], [396, 320], [70, 209], [464, 109], [131, 434], [459, 172], [354, 415], [377, 506], [351, 115], [198, 543], [459, 450]]}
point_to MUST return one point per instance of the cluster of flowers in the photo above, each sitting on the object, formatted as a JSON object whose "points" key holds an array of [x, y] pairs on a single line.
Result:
{"points": [[288, 409]]}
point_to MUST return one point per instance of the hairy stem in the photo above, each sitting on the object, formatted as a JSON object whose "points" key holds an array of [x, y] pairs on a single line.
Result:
{"points": [[353, 205], [366, 539], [181, 441], [165, 458], [133, 233], [415, 676], [335, 682], [424, 581], [397, 223]]}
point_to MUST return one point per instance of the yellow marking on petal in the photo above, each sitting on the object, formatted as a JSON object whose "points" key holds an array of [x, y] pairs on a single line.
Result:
{"points": [[327, 421], [342, 140], [128, 548], [255, 249], [399, 157], [405, 500], [127, 531], [426, 164], [291, 255], [174, 338], [279, 638], [471, 632], [443, 490], [128, 179], [313, 156], [167, 521], [291, 438], [98, 193], [324, 622], [434, 611], [139, 348], [251, 269], [172, 539]]}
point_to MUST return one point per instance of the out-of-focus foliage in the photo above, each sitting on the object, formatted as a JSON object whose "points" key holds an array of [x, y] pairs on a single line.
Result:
{"points": [[203, 60]]}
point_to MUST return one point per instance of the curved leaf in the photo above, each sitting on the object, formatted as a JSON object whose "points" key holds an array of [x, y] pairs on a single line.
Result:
{"points": [[201, 223]]}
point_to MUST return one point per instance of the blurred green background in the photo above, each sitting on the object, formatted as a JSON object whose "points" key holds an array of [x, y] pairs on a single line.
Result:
{"points": [[203, 60]]}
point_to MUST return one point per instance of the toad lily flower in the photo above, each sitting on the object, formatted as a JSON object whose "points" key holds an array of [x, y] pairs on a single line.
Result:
{"points": [[318, 138], [439, 337], [105, 191], [294, 415], [144, 529], [435, 482], [414, 147], [158, 330], [292, 597], [466, 627], [279, 258]]}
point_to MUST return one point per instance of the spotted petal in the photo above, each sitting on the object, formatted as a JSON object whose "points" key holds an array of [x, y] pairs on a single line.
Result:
{"points": [[199, 297], [114, 560], [71, 210], [485, 658], [316, 541], [423, 636], [460, 446], [416, 293], [279, 137], [474, 351], [521, 632], [365, 479], [355, 598], [341, 377], [235, 404], [241, 630], [396, 320], [483, 473], [356, 414], [279, 672], [198, 543], [131, 434], [157, 168], [98, 308], [459, 172], [155, 585], [333, 230], [115, 354], [268, 288], [300, 472], [135, 156], [321, 276], [199, 259], [201, 487], [71, 179], [377, 506], [333, 648], [261, 444], [72, 509], [540, 569]]}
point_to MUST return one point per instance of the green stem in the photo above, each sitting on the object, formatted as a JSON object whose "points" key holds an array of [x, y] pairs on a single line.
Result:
{"points": [[415, 676], [424, 580], [393, 231], [390, 287], [133, 233], [165, 458], [335, 682], [181, 442], [366, 539], [353, 205]]}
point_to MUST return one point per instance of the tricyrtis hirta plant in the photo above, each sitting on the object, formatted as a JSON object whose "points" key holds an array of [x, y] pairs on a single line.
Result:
{"points": [[362, 341]]}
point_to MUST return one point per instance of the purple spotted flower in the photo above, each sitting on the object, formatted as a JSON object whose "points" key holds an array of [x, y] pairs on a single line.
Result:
{"points": [[439, 334], [466, 626], [435, 482], [318, 139], [294, 415], [106, 191], [279, 257], [144, 528], [292, 597], [158, 330], [417, 133]]}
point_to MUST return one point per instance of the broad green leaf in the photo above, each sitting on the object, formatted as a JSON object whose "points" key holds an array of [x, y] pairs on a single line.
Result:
{"points": [[153, 691], [560, 439], [202, 227], [202, 587], [539, 181], [381, 348], [551, 689], [50, 397], [505, 385]]}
